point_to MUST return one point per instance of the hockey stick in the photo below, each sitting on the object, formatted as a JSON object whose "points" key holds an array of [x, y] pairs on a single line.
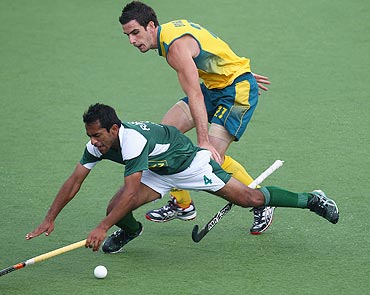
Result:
{"points": [[197, 236], [43, 257]]}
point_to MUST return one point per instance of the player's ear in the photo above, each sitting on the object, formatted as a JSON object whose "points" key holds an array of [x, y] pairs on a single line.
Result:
{"points": [[114, 129], [150, 26]]}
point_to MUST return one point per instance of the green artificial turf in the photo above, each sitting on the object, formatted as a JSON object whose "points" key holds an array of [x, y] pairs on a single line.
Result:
{"points": [[58, 57]]}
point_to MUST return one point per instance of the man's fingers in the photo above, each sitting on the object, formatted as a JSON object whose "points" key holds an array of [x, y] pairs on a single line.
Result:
{"points": [[264, 81], [94, 243], [31, 235], [262, 87], [43, 228], [216, 156], [257, 76]]}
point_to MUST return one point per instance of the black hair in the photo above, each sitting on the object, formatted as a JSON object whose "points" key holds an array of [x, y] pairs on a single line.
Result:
{"points": [[105, 114], [140, 12]]}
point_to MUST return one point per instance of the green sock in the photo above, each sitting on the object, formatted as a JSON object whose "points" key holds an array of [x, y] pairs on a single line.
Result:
{"points": [[279, 197], [128, 223]]}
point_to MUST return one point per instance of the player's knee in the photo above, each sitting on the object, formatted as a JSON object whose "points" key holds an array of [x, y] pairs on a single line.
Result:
{"points": [[253, 198]]}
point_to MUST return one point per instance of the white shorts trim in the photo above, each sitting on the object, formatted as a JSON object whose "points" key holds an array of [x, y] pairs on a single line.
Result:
{"points": [[198, 176]]}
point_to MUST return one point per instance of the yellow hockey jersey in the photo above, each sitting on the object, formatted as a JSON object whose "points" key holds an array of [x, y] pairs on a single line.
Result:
{"points": [[217, 64]]}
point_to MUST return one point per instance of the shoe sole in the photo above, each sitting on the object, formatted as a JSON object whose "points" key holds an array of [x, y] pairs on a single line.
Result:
{"points": [[159, 221], [187, 218], [336, 217], [115, 252], [268, 225], [261, 231]]}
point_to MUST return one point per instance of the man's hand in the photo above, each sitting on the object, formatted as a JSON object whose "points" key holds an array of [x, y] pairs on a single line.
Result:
{"points": [[46, 227], [215, 155], [95, 238], [261, 81]]}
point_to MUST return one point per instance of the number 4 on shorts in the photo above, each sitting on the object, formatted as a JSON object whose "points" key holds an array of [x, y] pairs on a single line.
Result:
{"points": [[207, 180]]}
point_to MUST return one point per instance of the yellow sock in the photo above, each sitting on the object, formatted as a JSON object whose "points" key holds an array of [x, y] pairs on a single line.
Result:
{"points": [[237, 170], [182, 197]]}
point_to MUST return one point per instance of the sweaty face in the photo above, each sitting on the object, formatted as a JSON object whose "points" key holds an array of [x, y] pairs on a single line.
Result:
{"points": [[140, 36], [100, 137]]}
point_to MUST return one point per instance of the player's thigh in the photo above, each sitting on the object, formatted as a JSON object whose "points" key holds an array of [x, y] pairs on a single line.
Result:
{"points": [[220, 138], [179, 116], [148, 194], [237, 193]]}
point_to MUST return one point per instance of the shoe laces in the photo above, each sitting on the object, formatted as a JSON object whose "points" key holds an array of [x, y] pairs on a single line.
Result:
{"points": [[171, 205], [258, 215], [318, 204]]}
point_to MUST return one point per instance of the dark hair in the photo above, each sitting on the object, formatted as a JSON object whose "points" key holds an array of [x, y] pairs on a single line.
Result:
{"points": [[140, 12], [105, 114]]}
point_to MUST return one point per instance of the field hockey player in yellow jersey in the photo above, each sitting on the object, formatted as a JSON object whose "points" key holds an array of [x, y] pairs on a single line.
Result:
{"points": [[226, 99]]}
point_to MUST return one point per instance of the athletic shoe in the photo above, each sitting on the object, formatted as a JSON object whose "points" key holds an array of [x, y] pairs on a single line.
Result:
{"points": [[262, 219], [115, 242], [171, 211], [323, 206]]}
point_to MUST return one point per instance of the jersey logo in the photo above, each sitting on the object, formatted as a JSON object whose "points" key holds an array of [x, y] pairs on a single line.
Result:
{"points": [[157, 164], [178, 23], [141, 124], [144, 125], [207, 180]]}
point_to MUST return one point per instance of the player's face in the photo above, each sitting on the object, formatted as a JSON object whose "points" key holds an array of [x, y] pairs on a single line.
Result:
{"points": [[100, 137], [139, 36]]}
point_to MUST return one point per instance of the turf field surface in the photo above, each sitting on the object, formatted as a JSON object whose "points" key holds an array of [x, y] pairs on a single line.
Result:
{"points": [[57, 57]]}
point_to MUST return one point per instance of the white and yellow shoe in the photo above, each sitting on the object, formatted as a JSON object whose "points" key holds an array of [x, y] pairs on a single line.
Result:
{"points": [[172, 211]]}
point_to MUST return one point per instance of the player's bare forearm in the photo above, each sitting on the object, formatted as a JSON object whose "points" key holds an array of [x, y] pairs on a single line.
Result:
{"points": [[66, 193], [180, 58], [200, 117], [61, 200], [199, 114], [125, 200]]}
